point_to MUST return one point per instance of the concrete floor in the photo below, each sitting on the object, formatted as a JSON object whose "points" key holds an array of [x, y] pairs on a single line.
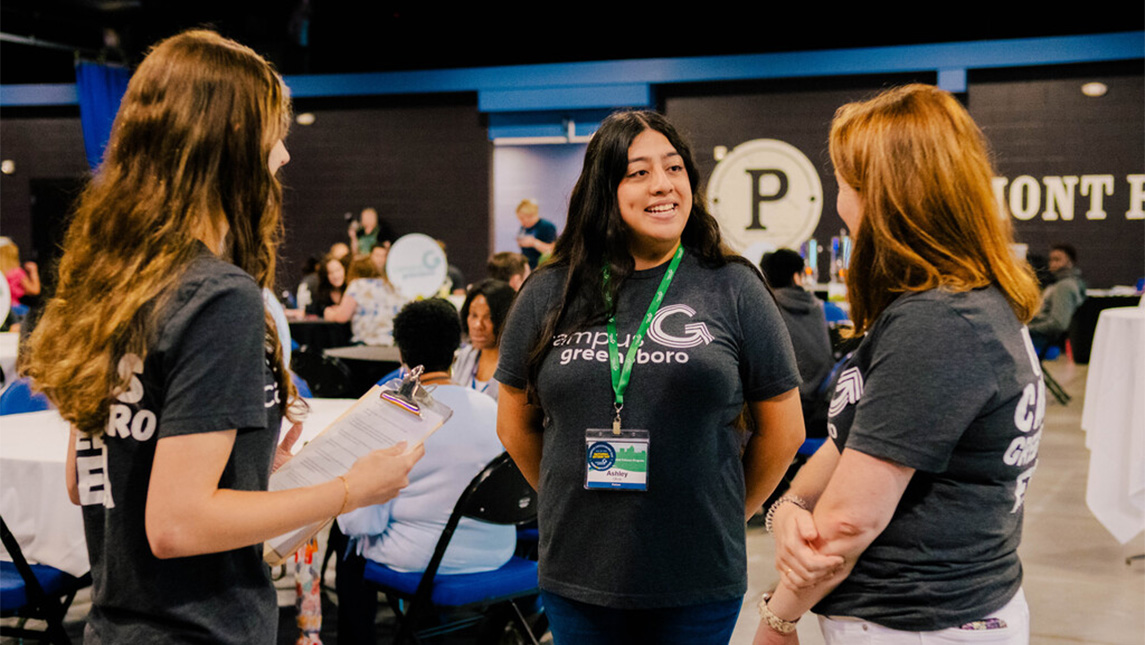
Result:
{"points": [[1078, 584]]}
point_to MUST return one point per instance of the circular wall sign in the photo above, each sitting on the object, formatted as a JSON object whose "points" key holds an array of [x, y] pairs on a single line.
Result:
{"points": [[766, 194], [416, 266]]}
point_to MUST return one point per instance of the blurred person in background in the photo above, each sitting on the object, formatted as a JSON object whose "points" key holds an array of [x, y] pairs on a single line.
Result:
{"points": [[807, 323], [402, 534], [341, 251], [454, 278], [23, 279], [483, 315], [1060, 299], [331, 285], [536, 235], [368, 304], [367, 231], [509, 267], [379, 253], [307, 285]]}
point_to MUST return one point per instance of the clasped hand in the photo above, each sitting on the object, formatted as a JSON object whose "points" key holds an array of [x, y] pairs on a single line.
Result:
{"points": [[797, 549]]}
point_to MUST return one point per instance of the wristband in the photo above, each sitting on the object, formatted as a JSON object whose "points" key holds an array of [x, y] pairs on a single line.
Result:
{"points": [[345, 496], [773, 621], [794, 499]]}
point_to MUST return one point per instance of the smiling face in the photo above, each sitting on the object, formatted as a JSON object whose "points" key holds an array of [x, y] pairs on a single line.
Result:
{"points": [[335, 273], [480, 324], [655, 198]]}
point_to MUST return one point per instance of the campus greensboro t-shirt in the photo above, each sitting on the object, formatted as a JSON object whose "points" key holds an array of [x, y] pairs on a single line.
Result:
{"points": [[947, 384], [206, 370], [717, 340]]}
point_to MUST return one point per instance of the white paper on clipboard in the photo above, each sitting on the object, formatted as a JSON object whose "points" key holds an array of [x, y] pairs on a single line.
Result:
{"points": [[373, 423]]}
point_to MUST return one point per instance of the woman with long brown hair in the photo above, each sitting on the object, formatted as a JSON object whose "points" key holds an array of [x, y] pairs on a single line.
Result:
{"points": [[904, 527], [158, 350], [331, 284]]}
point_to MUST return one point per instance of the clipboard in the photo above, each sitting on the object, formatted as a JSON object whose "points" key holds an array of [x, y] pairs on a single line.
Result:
{"points": [[399, 410]]}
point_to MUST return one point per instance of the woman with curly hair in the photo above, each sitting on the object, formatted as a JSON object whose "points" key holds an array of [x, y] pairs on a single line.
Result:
{"points": [[158, 350]]}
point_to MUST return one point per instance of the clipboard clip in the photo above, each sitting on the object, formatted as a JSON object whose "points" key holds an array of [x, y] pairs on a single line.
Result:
{"points": [[407, 395]]}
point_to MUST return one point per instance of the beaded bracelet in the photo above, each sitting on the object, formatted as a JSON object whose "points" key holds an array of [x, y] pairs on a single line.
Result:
{"points": [[794, 499]]}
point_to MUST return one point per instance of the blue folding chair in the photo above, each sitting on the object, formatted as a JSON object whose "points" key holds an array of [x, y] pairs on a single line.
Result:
{"points": [[498, 494], [301, 385], [19, 398], [35, 591], [398, 373]]}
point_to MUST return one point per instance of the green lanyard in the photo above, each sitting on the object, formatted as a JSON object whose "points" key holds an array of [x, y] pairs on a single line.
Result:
{"points": [[622, 374]]}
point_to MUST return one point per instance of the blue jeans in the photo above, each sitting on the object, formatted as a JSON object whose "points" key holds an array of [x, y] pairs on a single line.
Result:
{"points": [[577, 623]]}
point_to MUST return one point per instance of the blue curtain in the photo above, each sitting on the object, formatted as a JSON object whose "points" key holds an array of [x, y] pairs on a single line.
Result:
{"points": [[100, 88]]}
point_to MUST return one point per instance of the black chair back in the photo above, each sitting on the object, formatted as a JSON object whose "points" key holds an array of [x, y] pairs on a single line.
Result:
{"points": [[498, 494], [39, 604]]}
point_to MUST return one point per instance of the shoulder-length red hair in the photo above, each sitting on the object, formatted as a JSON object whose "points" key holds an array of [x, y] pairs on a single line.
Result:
{"points": [[929, 217]]}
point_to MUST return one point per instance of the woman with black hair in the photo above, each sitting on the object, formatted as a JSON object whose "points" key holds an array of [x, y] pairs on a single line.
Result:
{"points": [[482, 317], [626, 366], [331, 284]]}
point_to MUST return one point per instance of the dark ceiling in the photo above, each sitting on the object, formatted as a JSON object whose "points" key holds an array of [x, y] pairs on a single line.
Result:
{"points": [[346, 36]]}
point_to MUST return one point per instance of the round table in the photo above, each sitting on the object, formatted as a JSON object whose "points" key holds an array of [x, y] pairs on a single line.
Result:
{"points": [[9, 345], [33, 494], [367, 365], [1114, 421]]}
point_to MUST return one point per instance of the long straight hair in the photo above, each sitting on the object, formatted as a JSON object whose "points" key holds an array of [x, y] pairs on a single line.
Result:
{"points": [[929, 217], [595, 235], [189, 149]]}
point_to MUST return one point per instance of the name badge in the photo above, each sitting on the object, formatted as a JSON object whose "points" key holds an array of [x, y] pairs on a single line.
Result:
{"points": [[616, 461]]}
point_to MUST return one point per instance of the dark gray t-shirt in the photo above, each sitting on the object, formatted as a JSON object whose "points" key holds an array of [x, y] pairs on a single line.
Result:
{"points": [[206, 371], [947, 384], [716, 342]]}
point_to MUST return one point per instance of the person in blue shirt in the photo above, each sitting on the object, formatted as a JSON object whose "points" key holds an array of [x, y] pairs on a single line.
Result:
{"points": [[537, 235]]}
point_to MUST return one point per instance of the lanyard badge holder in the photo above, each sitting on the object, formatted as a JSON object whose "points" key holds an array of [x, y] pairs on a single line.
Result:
{"points": [[617, 458]]}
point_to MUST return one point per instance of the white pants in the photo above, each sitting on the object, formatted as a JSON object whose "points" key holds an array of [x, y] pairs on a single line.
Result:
{"points": [[1016, 616]]}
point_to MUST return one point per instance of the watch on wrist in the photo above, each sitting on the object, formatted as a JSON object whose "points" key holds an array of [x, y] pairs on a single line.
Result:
{"points": [[773, 621]]}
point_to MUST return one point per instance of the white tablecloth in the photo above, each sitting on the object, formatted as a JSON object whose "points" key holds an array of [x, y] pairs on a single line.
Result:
{"points": [[33, 495], [377, 353], [1114, 421], [323, 412]]}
